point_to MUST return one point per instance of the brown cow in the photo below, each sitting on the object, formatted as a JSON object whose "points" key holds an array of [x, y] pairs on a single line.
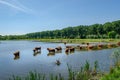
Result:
{"points": [[79, 47], [72, 49], [89, 47], [118, 43], [109, 45], [58, 48], [51, 50], [16, 55], [100, 46], [37, 49], [67, 50]]}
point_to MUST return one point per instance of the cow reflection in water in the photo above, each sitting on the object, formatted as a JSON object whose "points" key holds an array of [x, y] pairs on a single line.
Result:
{"points": [[16, 55], [51, 54], [36, 53]]}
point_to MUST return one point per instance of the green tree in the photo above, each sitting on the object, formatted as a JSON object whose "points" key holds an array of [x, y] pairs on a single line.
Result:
{"points": [[112, 34]]}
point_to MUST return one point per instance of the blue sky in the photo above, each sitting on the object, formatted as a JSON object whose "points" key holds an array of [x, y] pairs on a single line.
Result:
{"points": [[26, 16]]}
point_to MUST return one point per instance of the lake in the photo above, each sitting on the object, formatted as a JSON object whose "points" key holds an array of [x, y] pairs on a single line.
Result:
{"points": [[44, 63]]}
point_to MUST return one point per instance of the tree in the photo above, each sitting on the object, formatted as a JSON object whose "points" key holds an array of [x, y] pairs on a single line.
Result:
{"points": [[108, 27], [112, 34]]}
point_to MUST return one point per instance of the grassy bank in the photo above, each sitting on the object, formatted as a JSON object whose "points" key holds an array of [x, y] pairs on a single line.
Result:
{"points": [[77, 40]]}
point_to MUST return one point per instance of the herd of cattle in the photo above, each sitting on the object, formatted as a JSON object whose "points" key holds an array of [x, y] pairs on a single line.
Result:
{"points": [[70, 49]]}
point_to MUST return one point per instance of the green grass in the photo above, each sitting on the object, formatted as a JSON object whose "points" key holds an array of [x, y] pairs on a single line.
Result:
{"points": [[77, 40], [113, 75]]}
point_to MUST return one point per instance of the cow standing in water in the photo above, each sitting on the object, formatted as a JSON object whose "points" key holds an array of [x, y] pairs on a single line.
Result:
{"points": [[118, 43], [69, 49], [100, 46], [72, 49], [58, 48], [37, 49], [16, 55], [51, 50]]}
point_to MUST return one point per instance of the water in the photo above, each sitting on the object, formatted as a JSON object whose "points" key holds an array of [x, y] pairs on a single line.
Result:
{"points": [[43, 63]]}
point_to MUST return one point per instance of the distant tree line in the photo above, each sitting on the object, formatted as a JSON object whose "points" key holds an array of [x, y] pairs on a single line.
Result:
{"points": [[95, 31]]}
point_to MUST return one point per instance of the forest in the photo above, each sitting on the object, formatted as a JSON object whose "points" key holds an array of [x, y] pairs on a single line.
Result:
{"points": [[95, 31]]}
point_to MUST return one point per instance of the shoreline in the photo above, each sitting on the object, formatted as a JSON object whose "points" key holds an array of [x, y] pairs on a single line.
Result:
{"points": [[75, 41]]}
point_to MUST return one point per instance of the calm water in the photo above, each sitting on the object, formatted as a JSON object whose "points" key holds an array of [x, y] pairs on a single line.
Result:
{"points": [[42, 62]]}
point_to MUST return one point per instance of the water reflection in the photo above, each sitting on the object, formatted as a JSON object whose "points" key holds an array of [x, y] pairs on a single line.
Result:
{"points": [[36, 53], [68, 53], [16, 57], [51, 54], [59, 51]]}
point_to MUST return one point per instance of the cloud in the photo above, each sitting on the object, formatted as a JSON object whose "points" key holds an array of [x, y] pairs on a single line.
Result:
{"points": [[17, 6]]}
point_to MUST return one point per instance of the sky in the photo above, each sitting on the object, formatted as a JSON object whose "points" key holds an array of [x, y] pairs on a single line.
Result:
{"points": [[26, 16]]}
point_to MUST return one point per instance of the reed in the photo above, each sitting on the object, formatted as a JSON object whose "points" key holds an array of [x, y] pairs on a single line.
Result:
{"points": [[114, 73], [83, 74]]}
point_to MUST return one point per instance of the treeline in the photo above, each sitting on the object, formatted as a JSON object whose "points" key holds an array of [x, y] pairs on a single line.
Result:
{"points": [[13, 37], [107, 30], [95, 31]]}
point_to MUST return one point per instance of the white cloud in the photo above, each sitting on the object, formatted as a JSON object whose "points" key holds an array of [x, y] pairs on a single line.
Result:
{"points": [[16, 5]]}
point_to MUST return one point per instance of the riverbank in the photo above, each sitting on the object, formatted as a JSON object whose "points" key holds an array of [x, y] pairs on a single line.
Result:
{"points": [[76, 40]]}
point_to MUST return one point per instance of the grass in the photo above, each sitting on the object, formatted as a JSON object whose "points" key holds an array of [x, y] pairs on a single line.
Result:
{"points": [[77, 40], [113, 75]]}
